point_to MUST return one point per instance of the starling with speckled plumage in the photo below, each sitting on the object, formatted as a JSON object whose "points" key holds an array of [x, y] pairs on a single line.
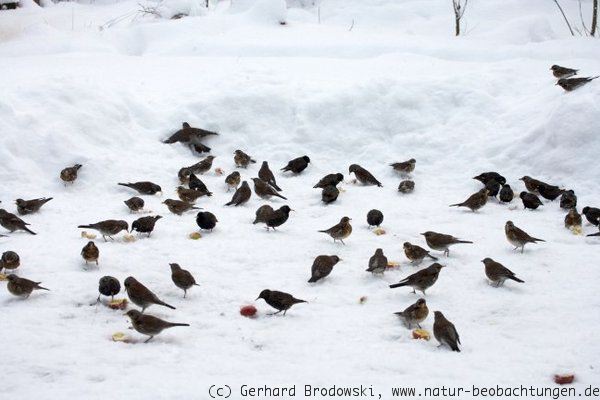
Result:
{"points": [[141, 296], [490, 176], [329, 180], [340, 231], [445, 332], [442, 242], [196, 184], [378, 262], [242, 160], [108, 286], [266, 175], [518, 237], [233, 180], [550, 192], [414, 314], [322, 266], [592, 214], [203, 166], [498, 273], [90, 252], [562, 72], [329, 194], [134, 204], [241, 195], [145, 224], [363, 176], [278, 217], [22, 287], [9, 260], [475, 201], [573, 219], [189, 195], [570, 84], [149, 325], [179, 207], [69, 174], [404, 167], [182, 278], [264, 190], [568, 200], [530, 200], [13, 223], [144, 187], [297, 165], [280, 301], [406, 186], [262, 214], [493, 188], [108, 228], [30, 206], [506, 194], [415, 253], [374, 218], [206, 220], [421, 280]]}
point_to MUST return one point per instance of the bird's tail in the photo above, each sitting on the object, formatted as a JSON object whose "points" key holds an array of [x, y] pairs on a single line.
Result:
{"points": [[594, 77], [313, 279], [594, 234], [399, 284], [125, 184], [86, 226], [325, 231], [230, 203], [196, 208], [454, 346], [432, 257], [37, 286], [538, 240], [177, 324], [514, 278], [278, 195], [296, 301], [47, 200], [457, 205], [29, 230], [284, 169], [379, 184], [464, 241], [162, 303], [276, 187]]}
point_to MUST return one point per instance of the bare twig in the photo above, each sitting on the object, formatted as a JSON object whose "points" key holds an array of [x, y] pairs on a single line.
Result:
{"points": [[565, 17], [459, 10], [585, 29], [594, 18], [351, 26]]}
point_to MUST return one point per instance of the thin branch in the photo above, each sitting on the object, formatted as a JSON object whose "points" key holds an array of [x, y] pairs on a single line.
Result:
{"points": [[565, 17], [585, 29]]}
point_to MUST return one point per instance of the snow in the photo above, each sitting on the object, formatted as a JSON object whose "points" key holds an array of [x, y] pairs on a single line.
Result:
{"points": [[100, 84]]}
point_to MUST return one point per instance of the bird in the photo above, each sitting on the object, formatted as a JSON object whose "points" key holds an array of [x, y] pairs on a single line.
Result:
{"points": [[573, 219], [485, 177], [141, 296], [374, 218], [280, 301], [13, 223], [9, 260], [184, 175], [30, 206], [108, 228], [475, 201], [149, 325], [404, 167], [518, 237], [179, 207], [278, 217], [498, 273], [90, 252], [329, 194], [493, 188], [297, 165], [262, 214], [550, 192], [442, 242], [322, 267], [233, 180], [445, 332], [264, 190], [592, 214], [530, 200], [568, 200], [363, 176], [506, 194], [570, 84], [421, 280], [340, 231], [201, 148], [378, 262], [188, 134], [531, 184], [241, 195], [329, 180], [242, 160], [143, 187], [562, 72], [145, 224], [202, 166], [189, 195], [108, 286], [22, 287], [414, 314], [196, 184], [266, 175], [134, 204], [206, 220], [182, 278], [406, 186], [69, 174], [415, 253]]}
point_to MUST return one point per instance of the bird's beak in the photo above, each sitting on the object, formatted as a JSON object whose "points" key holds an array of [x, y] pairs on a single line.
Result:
{"points": [[422, 234], [293, 210], [257, 298]]}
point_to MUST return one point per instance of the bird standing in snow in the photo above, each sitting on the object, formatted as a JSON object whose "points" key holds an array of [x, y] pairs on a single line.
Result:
{"points": [[374, 218], [143, 187], [518, 237], [415, 253], [241, 195], [242, 160], [570, 84], [363, 176], [441, 241], [149, 325], [404, 167], [414, 314], [90, 252], [266, 175], [182, 278], [22, 287], [340, 231], [280, 301], [108, 228], [421, 280], [378, 262], [30, 206], [145, 224], [13, 223], [445, 332], [475, 201], [498, 273], [562, 72], [322, 267], [69, 174], [141, 296], [297, 165]]}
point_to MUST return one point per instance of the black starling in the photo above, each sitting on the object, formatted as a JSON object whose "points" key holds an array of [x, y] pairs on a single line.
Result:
{"points": [[206, 220], [266, 175], [108, 228], [490, 176], [179, 207], [445, 332], [329, 194], [263, 213], [90, 252], [149, 325], [241, 195], [145, 224], [322, 266], [182, 278], [30, 206], [374, 218], [421, 280], [69, 174], [9, 260], [530, 200], [135, 204], [550, 192], [297, 165], [592, 214], [378, 262], [493, 188], [108, 286], [141, 296], [264, 190], [441, 241], [506, 194], [518, 237], [570, 84], [144, 187], [22, 287], [568, 200], [475, 201], [329, 180], [233, 180], [242, 159], [278, 217], [405, 167], [340, 231], [363, 176], [13, 223], [562, 72], [196, 184], [406, 186], [280, 301], [498, 273]]}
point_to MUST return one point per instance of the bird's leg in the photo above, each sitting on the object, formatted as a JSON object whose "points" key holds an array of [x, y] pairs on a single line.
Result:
{"points": [[111, 238], [342, 242], [184, 293], [522, 249], [85, 262], [104, 237], [96, 261], [516, 248], [149, 339], [414, 291], [447, 252]]}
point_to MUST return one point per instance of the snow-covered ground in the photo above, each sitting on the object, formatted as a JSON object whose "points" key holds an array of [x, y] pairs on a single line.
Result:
{"points": [[374, 82]]}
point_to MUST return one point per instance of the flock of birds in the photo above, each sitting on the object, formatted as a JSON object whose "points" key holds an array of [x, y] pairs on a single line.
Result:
{"points": [[265, 187]]}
